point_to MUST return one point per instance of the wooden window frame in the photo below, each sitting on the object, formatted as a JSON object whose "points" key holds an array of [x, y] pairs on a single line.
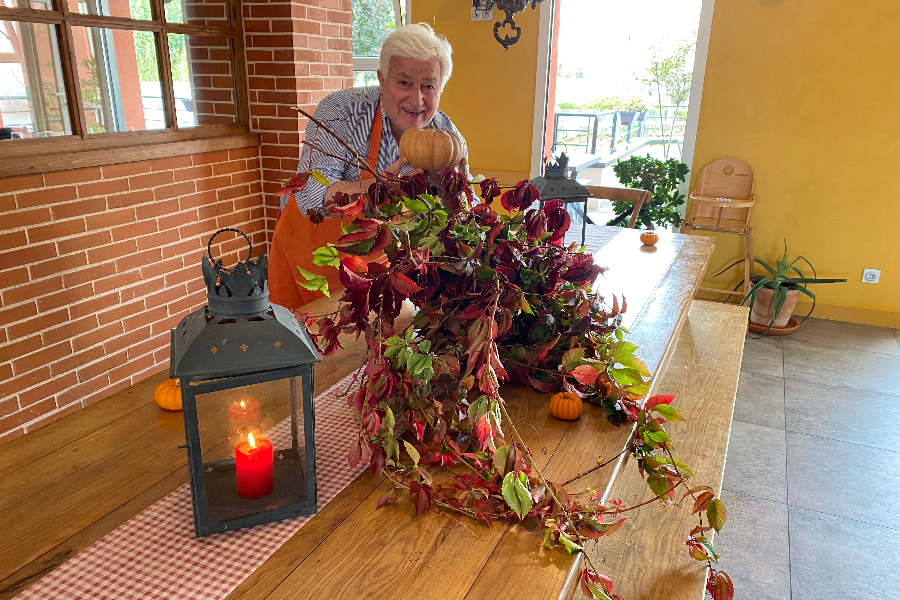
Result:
{"points": [[81, 148]]}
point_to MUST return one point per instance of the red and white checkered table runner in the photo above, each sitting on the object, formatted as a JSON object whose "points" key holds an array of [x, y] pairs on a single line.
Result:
{"points": [[155, 554]]}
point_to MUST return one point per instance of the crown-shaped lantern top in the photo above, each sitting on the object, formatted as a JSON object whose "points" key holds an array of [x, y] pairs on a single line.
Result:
{"points": [[239, 292], [558, 169]]}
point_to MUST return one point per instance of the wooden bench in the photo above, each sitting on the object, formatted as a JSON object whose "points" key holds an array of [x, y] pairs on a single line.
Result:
{"points": [[647, 559]]}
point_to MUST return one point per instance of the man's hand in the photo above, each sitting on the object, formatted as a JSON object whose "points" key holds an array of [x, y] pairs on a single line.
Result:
{"points": [[395, 168]]}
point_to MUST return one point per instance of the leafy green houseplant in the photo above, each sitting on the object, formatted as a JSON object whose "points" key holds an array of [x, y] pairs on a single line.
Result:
{"points": [[498, 298], [774, 295], [661, 179]]}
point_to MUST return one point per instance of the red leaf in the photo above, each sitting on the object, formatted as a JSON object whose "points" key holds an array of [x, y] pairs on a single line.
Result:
{"points": [[355, 264], [354, 207], [484, 431], [421, 495], [653, 401], [388, 498], [585, 374], [702, 500], [719, 585], [294, 184], [376, 463], [404, 284]]}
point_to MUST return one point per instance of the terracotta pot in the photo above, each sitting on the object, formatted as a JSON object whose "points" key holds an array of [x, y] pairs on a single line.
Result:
{"points": [[762, 308]]}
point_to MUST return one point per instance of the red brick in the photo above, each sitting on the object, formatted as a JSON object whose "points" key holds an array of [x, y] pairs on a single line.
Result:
{"points": [[174, 190], [131, 198], [95, 304], [148, 346], [112, 251], [88, 274], [193, 173], [200, 228], [76, 361], [142, 290], [126, 169], [25, 218], [65, 297], [106, 393], [13, 385], [8, 202], [121, 312], [37, 324], [21, 182], [111, 218], [97, 336], [72, 176], [83, 390], [158, 208], [55, 231], [42, 357], [233, 220], [47, 390], [152, 180], [101, 366], [30, 291], [140, 259], [245, 177], [188, 246], [78, 208], [45, 196], [102, 188], [145, 318], [165, 325], [165, 296], [188, 304], [158, 239], [133, 230], [12, 240], [232, 192], [17, 313], [84, 242], [123, 342], [131, 368], [195, 200], [29, 414], [162, 355], [178, 219], [174, 162], [11, 405], [71, 329], [11, 435], [58, 265], [210, 157], [119, 281], [213, 183]]}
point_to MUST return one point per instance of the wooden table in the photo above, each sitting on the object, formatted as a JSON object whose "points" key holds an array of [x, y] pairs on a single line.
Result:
{"points": [[68, 484]]}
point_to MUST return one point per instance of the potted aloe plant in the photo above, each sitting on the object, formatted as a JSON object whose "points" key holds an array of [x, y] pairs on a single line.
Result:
{"points": [[774, 295]]}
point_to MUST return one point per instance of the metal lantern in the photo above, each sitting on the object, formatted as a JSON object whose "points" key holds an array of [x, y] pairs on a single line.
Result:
{"points": [[557, 185], [246, 373], [510, 7]]}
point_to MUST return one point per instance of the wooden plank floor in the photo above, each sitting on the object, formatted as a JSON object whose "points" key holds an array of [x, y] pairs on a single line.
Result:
{"points": [[68, 484]]}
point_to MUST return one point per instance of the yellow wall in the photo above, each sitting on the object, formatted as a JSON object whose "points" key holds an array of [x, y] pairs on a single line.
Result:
{"points": [[808, 93], [490, 96]]}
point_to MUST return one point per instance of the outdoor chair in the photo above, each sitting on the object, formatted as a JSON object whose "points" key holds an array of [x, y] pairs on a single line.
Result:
{"points": [[721, 202], [633, 196]]}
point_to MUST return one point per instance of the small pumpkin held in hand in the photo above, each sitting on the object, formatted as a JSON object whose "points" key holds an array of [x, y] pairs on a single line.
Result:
{"points": [[566, 406], [168, 394], [649, 238], [431, 149]]}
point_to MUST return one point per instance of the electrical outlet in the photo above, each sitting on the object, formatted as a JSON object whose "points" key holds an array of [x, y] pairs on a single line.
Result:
{"points": [[482, 14], [871, 275]]}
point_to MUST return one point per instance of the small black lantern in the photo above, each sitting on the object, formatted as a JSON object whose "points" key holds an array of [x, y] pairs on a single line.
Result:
{"points": [[246, 372], [557, 185]]}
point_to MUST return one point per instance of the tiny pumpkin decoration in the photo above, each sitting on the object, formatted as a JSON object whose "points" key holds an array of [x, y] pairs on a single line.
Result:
{"points": [[566, 406], [431, 149], [168, 394], [649, 238]]}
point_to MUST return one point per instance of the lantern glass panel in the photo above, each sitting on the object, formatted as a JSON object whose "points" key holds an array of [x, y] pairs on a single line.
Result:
{"points": [[243, 478]]}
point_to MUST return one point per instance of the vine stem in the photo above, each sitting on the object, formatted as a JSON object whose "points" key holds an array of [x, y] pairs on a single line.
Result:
{"points": [[598, 466], [353, 152]]}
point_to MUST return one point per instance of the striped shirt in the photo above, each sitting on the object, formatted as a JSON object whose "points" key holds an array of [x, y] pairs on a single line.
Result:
{"points": [[349, 114]]}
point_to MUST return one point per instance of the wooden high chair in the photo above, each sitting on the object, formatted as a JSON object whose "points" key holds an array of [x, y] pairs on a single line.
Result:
{"points": [[721, 202]]}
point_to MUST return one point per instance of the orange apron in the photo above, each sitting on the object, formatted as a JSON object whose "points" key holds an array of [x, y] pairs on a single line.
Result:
{"points": [[296, 237]]}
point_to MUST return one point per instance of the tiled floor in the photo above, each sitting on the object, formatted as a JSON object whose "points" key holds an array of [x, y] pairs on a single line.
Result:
{"points": [[812, 476]]}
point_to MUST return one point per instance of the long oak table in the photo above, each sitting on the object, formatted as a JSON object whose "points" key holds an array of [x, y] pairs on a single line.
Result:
{"points": [[68, 484]]}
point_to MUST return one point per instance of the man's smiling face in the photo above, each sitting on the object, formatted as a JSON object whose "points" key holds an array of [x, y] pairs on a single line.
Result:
{"points": [[410, 92]]}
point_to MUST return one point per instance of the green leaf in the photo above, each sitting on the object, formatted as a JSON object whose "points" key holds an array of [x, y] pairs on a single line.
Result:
{"points": [[500, 456], [668, 413], [715, 512], [320, 178], [424, 345], [415, 205], [389, 421], [627, 376], [572, 358], [622, 350], [707, 543], [639, 389], [516, 494], [441, 216], [413, 453], [679, 464], [348, 228], [571, 546], [658, 484], [326, 256]]}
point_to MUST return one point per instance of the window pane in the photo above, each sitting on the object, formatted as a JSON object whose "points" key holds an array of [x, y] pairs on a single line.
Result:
{"points": [[32, 95], [373, 20], [134, 9], [203, 78], [119, 78], [198, 12], [35, 4], [365, 78]]}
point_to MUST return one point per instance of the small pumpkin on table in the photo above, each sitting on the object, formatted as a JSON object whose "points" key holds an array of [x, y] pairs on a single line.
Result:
{"points": [[649, 238], [566, 406], [168, 394]]}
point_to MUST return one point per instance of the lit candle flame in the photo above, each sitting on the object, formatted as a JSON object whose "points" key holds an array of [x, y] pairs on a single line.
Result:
{"points": [[251, 440], [243, 405]]}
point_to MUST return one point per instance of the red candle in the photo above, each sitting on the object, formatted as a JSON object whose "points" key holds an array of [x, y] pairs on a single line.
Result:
{"points": [[253, 462], [244, 414]]}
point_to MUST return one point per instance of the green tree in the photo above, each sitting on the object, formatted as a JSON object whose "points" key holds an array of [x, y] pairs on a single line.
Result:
{"points": [[661, 179], [373, 20], [670, 75]]}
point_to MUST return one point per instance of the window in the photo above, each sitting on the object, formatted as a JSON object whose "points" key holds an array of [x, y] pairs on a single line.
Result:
{"points": [[373, 20], [83, 69]]}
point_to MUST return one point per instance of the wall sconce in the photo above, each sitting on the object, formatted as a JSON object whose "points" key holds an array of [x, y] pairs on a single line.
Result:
{"points": [[510, 7]]}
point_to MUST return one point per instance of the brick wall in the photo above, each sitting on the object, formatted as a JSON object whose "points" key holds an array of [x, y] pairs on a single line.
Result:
{"points": [[298, 51], [97, 264]]}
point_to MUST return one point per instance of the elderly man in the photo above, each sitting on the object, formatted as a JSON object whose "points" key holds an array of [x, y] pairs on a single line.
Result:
{"points": [[415, 64]]}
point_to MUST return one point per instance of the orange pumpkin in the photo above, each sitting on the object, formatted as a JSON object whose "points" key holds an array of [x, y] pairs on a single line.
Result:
{"points": [[168, 394], [649, 238], [566, 406], [431, 149]]}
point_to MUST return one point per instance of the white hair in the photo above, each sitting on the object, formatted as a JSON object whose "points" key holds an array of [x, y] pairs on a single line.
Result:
{"points": [[418, 41]]}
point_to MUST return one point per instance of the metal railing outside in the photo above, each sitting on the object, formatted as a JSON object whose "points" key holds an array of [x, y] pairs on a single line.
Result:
{"points": [[594, 132]]}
